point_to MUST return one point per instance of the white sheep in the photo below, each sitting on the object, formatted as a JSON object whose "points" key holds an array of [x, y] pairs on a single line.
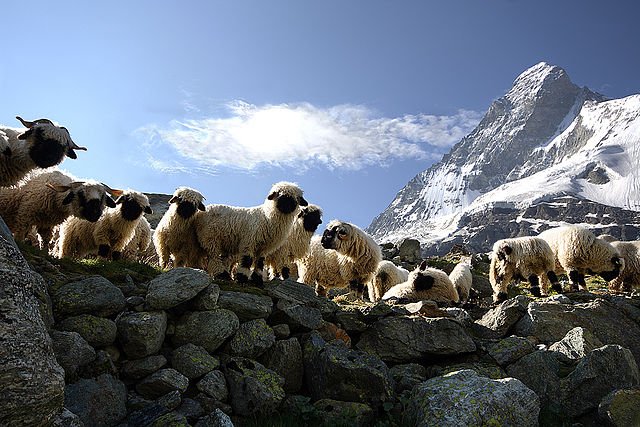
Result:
{"points": [[47, 198], [42, 145], [424, 283], [629, 278], [281, 262], [462, 278], [175, 235], [353, 264], [522, 258], [578, 252], [386, 276], [229, 234], [137, 247], [109, 235]]}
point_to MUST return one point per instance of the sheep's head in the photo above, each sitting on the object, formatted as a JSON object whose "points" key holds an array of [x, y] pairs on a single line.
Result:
{"points": [[287, 197], [187, 201], [611, 269], [87, 199], [48, 143], [311, 217], [500, 269], [132, 204], [338, 235]]}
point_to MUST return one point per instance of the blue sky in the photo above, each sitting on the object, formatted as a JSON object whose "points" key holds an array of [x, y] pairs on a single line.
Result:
{"points": [[350, 99]]}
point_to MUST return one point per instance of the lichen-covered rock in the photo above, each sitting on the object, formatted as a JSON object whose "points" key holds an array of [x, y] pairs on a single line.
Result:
{"points": [[285, 358], [336, 412], [246, 306], [497, 322], [403, 339], [510, 349], [208, 329], [464, 398], [141, 334], [351, 319], [540, 371], [253, 389], [409, 250], [207, 299], [93, 295], [299, 293], [620, 408], [300, 318], [251, 340], [214, 385], [175, 287], [193, 361], [162, 382], [97, 331], [407, 376], [67, 419], [576, 344], [215, 419], [282, 331], [98, 402], [140, 368], [172, 419], [72, 351]]}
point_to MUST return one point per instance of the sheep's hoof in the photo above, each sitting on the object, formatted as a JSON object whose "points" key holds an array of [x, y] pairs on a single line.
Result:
{"points": [[224, 276], [285, 273], [535, 291], [256, 279], [557, 287], [103, 250], [241, 278]]}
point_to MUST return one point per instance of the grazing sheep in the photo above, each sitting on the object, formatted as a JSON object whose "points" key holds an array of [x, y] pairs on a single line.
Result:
{"points": [[42, 145], [354, 263], [229, 233], [175, 235], [629, 278], [578, 251], [46, 199], [522, 258], [462, 279], [386, 276], [137, 247], [109, 235], [424, 283], [282, 260]]}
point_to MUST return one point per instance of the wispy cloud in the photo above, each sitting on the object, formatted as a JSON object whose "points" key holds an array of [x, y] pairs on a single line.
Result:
{"points": [[302, 135]]}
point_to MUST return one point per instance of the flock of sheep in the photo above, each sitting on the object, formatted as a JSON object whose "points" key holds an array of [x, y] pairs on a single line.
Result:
{"points": [[72, 218]]}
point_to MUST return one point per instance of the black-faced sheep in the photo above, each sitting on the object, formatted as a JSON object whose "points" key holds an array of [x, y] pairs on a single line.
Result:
{"points": [[42, 145], [578, 252], [175, 235], [109, 235], [424, 283], [282, 261], [230, 234], [629, 277], [386, 276], [46, 199], [522, 258], [462, 278]]}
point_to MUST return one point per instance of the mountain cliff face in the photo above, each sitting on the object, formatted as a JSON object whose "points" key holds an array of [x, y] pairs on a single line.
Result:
{"points": [[546, 139]]}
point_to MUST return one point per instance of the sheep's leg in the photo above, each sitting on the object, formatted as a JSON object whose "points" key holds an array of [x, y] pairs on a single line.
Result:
{"points": [[357, 287], [575, 280], [534, 285], [555, 283], [45, 237], [285, 272], [242, 274], [257, 276], [103, 250], [321, 291]]}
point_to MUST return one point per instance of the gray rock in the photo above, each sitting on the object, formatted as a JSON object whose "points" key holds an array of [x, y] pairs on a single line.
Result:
{"points": [[335, 412], [409, 250], [251, 340], [72, 351], [141, 334], [172, 419], [102, 364], [510, 349], [577, 343], [175, 287], [540, 371], [140, 368], [351, 319], [215, 419], [193, 361], [405, 339], [620, 408], [300, 318], [97, 331], [464, 398], [600, 372], [285, 358], [162, 382], [407, 376], [98, 402], [208, 298], [94, 295], [67, 419], [253, 389], [191, 409], [246, 306], [6, 235], [282, 331], [208, 329], [497, 322], [214, 385], [299, 293]]}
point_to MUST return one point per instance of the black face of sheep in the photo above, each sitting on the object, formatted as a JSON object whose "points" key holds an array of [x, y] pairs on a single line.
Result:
{"points": [[423, 282], [311, 219], [186, 209], [286, 203], [610, 275], [48, 143], [331, 234], [131, 209], [91, 209]]}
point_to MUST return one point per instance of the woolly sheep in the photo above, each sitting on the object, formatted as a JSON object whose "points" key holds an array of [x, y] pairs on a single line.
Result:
{"points": [[47, 198], [282, 260], [175, 235], [42, 145], [522, 258], [424, 283], [629, 278], [137, 247], [386, 276], [462, 279], [109, 235], [230, 233], [578, 251]]}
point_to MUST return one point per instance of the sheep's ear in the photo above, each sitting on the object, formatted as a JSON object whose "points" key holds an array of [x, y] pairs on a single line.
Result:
{"points": [[26, 134], [58, 188], [68, 198], [423, 265], [425, 283], [71, 154], [112, 191], [109, 202], [272, 196], [119, 200], [174, 199], [148, 210], [201, 206], [303, 202]]}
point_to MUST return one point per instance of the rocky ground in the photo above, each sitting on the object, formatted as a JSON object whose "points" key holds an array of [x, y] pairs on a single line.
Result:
{"points": [[123, 344]]}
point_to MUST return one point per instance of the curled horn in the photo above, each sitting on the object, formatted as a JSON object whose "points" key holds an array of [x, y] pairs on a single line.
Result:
{"points": [[113, 192], [29, 125]]}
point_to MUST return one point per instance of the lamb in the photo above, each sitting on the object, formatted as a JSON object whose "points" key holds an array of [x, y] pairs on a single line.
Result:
{"points": [[46, 199], [462, 279], [578, 251], [42, 145], [387, 275], [282, 260], [109, 235], [353, 264], [175, 235], [522, 258], [229, 233], [137, 247], [630, 275], [424, 283]]}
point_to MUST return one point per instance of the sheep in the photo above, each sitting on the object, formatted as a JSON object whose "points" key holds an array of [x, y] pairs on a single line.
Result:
{"points": [[42, 145], [630, 275], [578, 251], [424, 283], [229, 234], [522, 258], [47, 198], [137, 247], [387, 275], [353, 264], [175, 235], [109, 235], [282, 260], [462, 279]]}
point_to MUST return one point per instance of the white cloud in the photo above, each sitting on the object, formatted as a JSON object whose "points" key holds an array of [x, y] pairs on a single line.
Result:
{"points": [[302, 135]]}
